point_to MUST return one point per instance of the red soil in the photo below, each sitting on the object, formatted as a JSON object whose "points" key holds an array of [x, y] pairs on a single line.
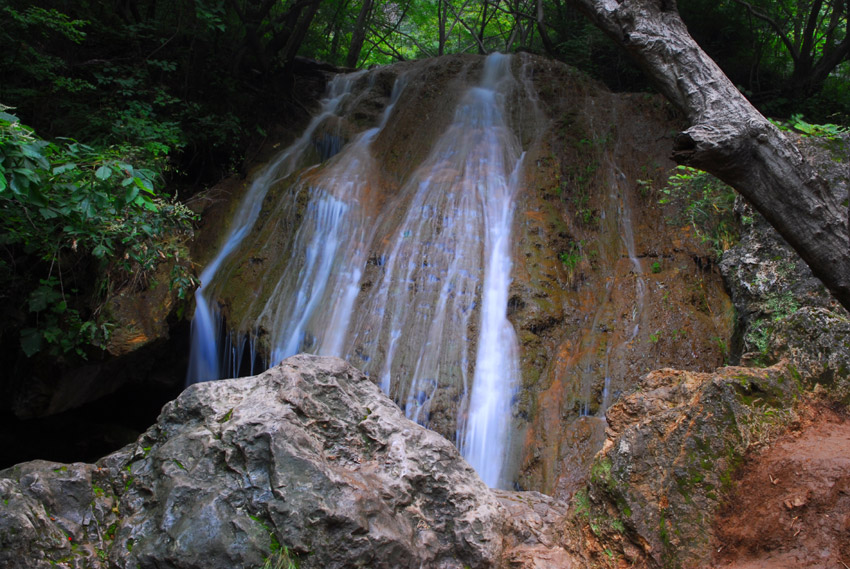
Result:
{"points": [[791, 505]]}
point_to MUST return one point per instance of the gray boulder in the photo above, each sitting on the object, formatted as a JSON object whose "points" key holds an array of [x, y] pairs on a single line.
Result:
{"points": [[307, 462]]}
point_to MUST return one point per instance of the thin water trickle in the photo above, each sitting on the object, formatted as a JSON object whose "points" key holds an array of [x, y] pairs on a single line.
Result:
{"points": [[621, 196], [611, 332]]}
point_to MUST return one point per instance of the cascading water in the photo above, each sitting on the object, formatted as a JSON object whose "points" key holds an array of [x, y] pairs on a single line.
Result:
{"points": [[407, 286], [496, 364], [311, 306], [497, 360], [449, 256], [205, 362]]}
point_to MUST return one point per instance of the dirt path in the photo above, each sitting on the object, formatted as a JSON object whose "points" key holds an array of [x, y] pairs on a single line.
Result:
{"points": [[791, 506]]}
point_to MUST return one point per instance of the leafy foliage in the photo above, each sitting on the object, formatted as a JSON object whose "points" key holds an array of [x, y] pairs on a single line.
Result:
{"points": [[705, 203], [130, 78], [796, 123], [414, 29], [64, 202]]}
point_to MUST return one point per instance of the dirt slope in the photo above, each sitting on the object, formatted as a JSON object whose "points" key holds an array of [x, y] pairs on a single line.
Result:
{"points": [[791, 505]]}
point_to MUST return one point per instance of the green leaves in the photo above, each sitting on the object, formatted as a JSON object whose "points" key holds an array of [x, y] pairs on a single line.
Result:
{"points": [[63, 168], [131, 194], [796, 123], [44, 296], [103, 173], [705, 203], [59, 329], [51, 19], [66, 199]]}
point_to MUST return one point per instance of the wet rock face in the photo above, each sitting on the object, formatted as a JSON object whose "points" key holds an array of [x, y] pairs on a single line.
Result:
{"points": [[535, 535], [308, 458], [606, 287]]}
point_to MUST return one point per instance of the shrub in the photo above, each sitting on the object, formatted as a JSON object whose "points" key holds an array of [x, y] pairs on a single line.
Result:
{"points": [[64, 205], [705, 203]]}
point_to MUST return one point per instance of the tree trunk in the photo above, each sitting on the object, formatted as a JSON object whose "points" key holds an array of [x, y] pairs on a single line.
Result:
{"points": [[442, 16], [729, 138], [359, 34], [296, 38], [483, 27], [544, 33]]}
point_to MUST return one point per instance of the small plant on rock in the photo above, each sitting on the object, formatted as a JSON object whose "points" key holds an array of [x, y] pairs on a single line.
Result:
{"points": [[705, 203]]}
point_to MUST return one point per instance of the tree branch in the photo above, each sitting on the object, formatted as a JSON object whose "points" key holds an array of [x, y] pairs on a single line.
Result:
{"points": [[395, 30], [792, 49], [472, 32], [729, 138], [810, 31]]}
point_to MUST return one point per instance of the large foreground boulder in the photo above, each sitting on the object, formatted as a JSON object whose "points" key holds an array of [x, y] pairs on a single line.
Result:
{"points": [[308, 461]]}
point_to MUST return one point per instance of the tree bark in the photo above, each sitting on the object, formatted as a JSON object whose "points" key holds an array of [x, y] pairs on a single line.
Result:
{"points": [[296, 37], [358, 35], [548, 46], [729, 138], [483, 26], [442, 15]]}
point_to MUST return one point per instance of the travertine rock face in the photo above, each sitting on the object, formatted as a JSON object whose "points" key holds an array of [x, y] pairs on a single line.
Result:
{"points": [[309, 458], [676, 443], [672, 449]]}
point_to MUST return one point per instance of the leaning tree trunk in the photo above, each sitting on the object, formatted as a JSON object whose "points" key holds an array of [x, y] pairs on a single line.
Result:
{"points": [[729, 138]]}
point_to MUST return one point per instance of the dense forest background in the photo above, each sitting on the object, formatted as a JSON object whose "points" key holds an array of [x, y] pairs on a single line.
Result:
{"points": [[131, 106]]}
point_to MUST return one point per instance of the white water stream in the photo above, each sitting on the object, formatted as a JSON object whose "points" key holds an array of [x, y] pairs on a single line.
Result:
{"points": [[207, 355], [438, 256]]}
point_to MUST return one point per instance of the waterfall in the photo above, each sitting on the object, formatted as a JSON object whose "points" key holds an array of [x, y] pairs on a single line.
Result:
{"points": [[206, 351], [311, 312], [497, 359], [449, 258], [410, 285]]}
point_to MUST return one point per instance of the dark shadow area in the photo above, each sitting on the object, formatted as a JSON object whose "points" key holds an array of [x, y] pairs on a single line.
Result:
{"points": [[93, 430]]}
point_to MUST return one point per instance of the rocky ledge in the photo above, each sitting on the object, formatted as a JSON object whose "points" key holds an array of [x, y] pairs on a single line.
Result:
{"points": [[308, 462]]}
